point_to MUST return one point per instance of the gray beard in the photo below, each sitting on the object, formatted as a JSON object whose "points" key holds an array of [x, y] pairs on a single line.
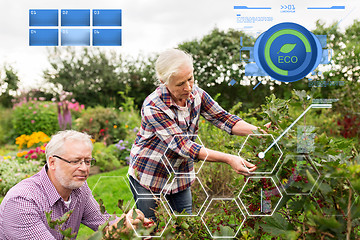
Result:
{"points": [[67, 183]]}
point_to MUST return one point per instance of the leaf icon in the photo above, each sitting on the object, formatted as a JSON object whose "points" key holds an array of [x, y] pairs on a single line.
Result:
{"points": [[286, 48]]}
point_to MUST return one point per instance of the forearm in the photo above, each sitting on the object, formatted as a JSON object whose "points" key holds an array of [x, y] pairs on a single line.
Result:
{"points": [[242, 128], [240, 165], [213, 156]]}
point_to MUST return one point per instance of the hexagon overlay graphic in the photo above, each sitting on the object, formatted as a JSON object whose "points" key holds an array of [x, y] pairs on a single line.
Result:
{"points": [[197, 203], [332, 196], [258, 143], [118, 188], [260, 196], [223, 218], [298, 175], [152, 194], [164, 220], [179, 165]]}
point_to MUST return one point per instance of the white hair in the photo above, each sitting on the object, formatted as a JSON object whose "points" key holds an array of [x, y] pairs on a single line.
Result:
{"points": [[56, 144], [169, 62]]}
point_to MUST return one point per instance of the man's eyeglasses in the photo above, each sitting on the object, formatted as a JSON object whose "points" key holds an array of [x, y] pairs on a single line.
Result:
{"points": [[88, 162]]}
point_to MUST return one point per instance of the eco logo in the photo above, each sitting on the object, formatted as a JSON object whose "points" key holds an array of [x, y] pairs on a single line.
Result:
{"points": [[287, 52]]}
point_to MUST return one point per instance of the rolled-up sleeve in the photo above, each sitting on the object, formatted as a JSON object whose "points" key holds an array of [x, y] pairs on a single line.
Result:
{"points": [[215, 114]]}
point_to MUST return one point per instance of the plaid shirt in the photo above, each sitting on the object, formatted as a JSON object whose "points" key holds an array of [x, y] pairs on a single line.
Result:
{"points": [[22, 211], [165, 131]]}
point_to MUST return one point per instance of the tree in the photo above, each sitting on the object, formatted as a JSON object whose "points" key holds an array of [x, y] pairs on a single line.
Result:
{"points": [[96, 77], [217, 62], [9, 85], [345, 66]]}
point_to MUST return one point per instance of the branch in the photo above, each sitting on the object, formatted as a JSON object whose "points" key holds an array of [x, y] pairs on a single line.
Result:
{"points": [[348, 230]]}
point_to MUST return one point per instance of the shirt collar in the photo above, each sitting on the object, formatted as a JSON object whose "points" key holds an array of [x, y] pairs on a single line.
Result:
{"points": [[164, 94], [49, 187]]}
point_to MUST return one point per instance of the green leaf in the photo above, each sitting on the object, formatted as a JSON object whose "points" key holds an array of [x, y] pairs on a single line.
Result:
{"points": [[120, 223], [286, 48], [134, 215], [121, 204], [96, 236], [276, 225], [225, 231], [325, 188], [184, 225]]}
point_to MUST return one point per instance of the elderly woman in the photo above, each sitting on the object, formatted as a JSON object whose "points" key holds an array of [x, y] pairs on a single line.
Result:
{"points": [[170, 121]]}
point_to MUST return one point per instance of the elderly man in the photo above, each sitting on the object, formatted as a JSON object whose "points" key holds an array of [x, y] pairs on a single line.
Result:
{"points": [[169, 124], [59, 187]]}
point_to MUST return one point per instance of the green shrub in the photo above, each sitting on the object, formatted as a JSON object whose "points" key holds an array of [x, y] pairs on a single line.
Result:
{"points": [[107, 157], [103, 124], [6, 130], [35, 116], [13, 171]]}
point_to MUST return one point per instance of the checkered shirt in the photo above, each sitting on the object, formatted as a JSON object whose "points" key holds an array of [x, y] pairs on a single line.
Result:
{"points": [[167, 132]]}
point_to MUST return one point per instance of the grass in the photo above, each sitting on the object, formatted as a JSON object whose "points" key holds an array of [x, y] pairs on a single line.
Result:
{"points": [[110, 187]]}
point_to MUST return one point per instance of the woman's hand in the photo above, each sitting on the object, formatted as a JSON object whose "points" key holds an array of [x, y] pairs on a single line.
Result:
{"points": [[238, 164]]}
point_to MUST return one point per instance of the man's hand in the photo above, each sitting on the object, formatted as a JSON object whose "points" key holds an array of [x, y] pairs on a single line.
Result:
{"points": [[128, 221], [238, 164], [147, 223]]}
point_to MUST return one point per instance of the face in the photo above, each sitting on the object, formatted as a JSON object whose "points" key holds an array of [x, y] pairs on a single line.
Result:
{"points": [[181, 83], [72, 177]]}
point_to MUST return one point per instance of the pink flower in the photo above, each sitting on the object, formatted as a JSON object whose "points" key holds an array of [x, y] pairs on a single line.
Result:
{"points": [[82, 106], [26, 156], [33, 156], [17, 174], [31, 151], [34, 112], [46, 105], [30, 107], [41, 98], [32, 121]]}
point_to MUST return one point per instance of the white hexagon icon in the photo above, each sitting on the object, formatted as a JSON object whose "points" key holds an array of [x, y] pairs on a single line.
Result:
{"points": [[197, 204], [260, 196], [261, 150], [160, 229], [179, 164], [298, 175], [332, 196], [223, 218], [165, 170]]}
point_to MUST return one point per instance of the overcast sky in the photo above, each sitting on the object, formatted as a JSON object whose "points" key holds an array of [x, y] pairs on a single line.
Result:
{"points": [[154, 25]]}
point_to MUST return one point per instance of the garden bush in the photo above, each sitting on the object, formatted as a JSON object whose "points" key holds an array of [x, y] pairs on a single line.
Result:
{"points": [[35, 116], [13, 171], [103, 124], [6, 131], [111, 157]]}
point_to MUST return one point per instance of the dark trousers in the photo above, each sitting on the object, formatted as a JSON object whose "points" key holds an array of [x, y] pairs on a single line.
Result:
{"points": [[144, 200]]}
